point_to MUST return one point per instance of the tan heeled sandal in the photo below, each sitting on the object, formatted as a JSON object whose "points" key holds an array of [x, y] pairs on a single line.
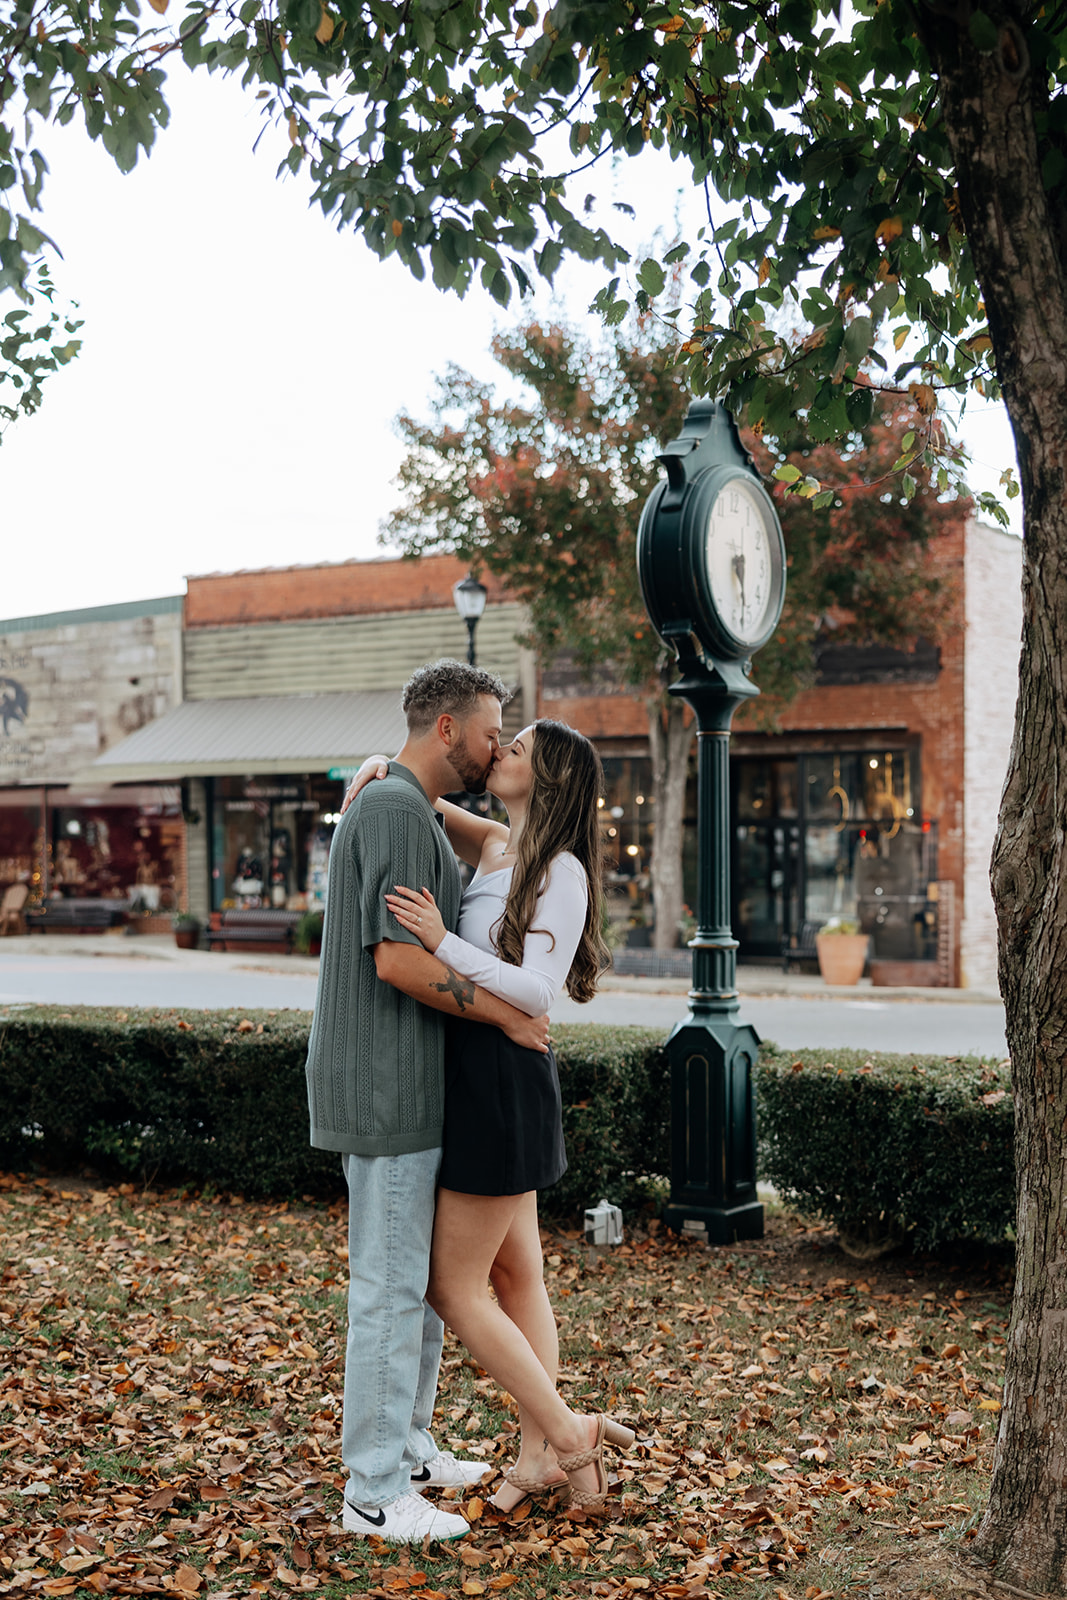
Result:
{"points": [[608, 1431], [530, 1489]]}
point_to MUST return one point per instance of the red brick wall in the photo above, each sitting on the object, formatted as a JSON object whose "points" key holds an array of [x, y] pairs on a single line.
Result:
{"points": [[598, 716], [341, 589], [933, 711]]}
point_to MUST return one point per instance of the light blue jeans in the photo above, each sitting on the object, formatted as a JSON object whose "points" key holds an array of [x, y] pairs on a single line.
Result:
{"points": [[393, 1351]]}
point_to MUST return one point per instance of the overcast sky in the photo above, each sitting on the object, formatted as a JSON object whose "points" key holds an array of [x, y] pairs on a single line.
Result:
{"points": [[242, 363]]}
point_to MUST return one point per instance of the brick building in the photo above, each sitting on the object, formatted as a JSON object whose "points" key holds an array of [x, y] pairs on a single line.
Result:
{"points": [[878, 795], [290, 677], [72, 685]]}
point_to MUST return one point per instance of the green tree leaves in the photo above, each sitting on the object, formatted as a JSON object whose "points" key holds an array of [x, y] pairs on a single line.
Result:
{"points": [[35, 340], [433, 131], [545, 488], [58, 59]]}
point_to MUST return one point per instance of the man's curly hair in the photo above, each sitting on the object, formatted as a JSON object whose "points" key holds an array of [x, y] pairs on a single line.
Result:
{"points": [[447, 687]]}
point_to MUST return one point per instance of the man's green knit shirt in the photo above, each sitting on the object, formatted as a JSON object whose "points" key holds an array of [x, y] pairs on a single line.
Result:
{"points": [[375, 1066]]}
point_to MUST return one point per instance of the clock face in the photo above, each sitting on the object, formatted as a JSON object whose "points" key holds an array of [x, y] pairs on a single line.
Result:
{"points": [[710, 554], [740, 562]]}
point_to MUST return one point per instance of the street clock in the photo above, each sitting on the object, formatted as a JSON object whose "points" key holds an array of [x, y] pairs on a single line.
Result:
{"points": [[710, 553], [711, 561]]}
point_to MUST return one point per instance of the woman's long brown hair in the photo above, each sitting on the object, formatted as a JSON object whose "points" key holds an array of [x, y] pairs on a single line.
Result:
{"points": [[562, 815]]}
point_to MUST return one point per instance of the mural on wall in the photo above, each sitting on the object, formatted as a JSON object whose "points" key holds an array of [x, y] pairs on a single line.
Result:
{"points": [[14, 703], [15, 749]]}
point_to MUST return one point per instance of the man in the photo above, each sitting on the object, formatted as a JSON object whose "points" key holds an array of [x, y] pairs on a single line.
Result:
{"points": [[375, 1092]]}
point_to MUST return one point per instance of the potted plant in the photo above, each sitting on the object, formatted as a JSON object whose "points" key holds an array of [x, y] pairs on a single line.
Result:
{"points": [[842, 951], [307, 936], [186, 930]]}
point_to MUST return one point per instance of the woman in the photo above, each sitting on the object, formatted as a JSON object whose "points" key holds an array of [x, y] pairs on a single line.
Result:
{"points": [[529, 925]]}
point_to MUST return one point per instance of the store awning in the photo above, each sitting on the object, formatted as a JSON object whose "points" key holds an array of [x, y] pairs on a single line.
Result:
{"points": [[272, 733]]}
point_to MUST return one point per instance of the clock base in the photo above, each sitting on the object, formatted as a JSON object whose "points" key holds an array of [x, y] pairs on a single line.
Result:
{"points": [[715, 1225], [713, 1129]]}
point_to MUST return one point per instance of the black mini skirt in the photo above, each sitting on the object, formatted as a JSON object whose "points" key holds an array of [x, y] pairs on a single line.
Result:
{"points": [[503, 1114]]}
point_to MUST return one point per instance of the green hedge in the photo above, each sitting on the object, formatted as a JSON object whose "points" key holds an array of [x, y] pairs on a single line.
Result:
{"points": [[886, 1147], [890, 1147], [218, 1098]]}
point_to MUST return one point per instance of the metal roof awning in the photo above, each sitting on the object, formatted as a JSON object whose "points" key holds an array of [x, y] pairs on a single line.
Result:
{"points": [[271, 733]]}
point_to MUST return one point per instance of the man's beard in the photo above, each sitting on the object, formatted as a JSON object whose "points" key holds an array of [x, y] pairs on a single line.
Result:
{"points": [[470, 774]]}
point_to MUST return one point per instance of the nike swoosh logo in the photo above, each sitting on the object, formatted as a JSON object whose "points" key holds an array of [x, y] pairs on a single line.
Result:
{"points": [[422, 1476], [376, 1519]]}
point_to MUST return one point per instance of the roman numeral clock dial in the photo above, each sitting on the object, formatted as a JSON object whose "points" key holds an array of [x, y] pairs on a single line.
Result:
{"points": [[739, 559], [710, 553]]}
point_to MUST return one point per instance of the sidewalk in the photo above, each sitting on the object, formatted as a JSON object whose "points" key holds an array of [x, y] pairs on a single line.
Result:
{"points": [[752, 982]]}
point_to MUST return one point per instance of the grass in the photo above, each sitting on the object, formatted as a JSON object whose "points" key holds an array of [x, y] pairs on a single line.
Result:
{"points": [[169, 1417]]}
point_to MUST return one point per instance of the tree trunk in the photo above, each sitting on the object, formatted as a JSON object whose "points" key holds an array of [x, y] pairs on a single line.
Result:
{"points": [[989, 103], [670, 737]]}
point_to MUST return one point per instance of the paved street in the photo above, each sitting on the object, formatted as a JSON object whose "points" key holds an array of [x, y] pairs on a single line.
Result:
{"points": [[795, 1012], [122, 979], [799, 1021]]}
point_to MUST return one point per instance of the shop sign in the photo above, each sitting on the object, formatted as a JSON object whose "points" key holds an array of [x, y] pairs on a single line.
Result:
{"points": [[273, 791], [261, 810]]}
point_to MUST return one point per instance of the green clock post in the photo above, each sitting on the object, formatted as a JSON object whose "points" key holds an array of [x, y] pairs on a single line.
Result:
{"points": [[711, 561]]}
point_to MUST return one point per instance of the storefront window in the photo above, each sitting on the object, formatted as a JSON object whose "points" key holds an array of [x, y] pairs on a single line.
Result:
{"points": [[828, 834], [21, 840], [767, 789], [627, 823], [116, 844], [271, 841]]}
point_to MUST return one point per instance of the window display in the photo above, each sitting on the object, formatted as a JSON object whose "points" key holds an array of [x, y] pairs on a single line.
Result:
{"points": [[626, 827], [21, 840], [818, 834], [122, 844], [271, 841]]}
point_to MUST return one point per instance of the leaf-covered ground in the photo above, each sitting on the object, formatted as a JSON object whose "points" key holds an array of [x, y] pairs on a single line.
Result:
{"points": [[169, 1420]]}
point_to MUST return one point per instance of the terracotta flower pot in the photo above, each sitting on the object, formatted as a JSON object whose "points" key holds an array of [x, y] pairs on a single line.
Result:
{"points": [[187, 938], [842, 957]]}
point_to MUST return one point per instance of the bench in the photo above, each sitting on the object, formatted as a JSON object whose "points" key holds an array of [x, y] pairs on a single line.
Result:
{"points": [[77, 916], [265, 928], [801, 946]]}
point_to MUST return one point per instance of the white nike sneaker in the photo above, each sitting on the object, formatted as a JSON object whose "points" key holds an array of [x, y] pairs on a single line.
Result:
{"points": [[408, 1520], [446, 1471]]}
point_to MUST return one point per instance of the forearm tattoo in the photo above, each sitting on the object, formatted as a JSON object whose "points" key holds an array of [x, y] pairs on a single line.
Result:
{"points": [[461, 989]]}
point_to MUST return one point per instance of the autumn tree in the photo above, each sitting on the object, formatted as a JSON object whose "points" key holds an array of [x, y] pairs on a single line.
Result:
{"points": [[545, 489], [890, 180]]}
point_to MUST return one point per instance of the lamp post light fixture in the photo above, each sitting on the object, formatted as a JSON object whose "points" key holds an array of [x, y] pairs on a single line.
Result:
{"points": [[469, 597]]}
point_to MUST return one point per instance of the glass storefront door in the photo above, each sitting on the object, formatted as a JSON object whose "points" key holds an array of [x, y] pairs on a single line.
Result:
{"points": [[271, 841], [829, 834]]}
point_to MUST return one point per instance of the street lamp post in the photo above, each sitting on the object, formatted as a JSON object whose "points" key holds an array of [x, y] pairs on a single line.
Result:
{"points": [[469, 596]]}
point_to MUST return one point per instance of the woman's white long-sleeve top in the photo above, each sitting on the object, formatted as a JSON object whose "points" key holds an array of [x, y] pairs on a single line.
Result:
{"points": [[549, 947]]}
